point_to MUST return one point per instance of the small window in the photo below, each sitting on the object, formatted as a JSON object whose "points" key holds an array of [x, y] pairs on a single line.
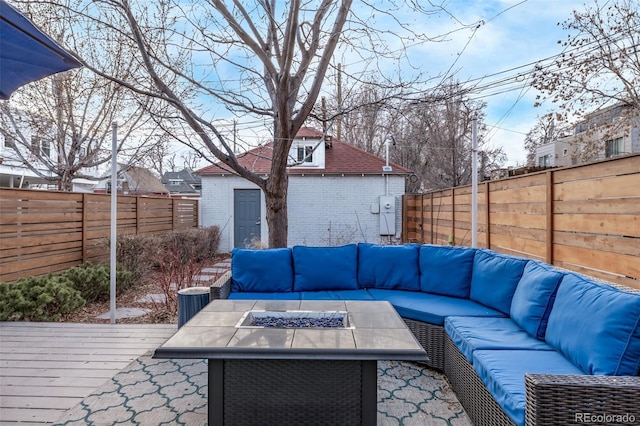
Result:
{"points": [[9, 142], [544, 161], [565, 152], [613, 147], [305, 154], [46, 148], [35, 145]]}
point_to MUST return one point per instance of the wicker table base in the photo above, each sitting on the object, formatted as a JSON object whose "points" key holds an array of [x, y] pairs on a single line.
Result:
{"points": [[292, 392], [293, 375]]}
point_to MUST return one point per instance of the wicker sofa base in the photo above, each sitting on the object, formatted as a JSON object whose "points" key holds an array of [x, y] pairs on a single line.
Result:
{"points": [[551, 399], [471, 392], [431, 337]]}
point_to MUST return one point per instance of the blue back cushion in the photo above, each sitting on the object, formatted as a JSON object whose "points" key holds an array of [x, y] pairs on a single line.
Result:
{"points": [[325, 268], [494, 279], [596, 326], [268, 270], [391, 267], [446, 270], [534, 297]]}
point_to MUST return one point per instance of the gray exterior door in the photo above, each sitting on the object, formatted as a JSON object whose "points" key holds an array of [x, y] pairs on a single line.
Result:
{"points": [[246, 225]]}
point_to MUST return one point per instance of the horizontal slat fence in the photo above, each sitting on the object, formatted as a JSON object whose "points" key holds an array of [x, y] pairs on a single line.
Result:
{"points": [[585, 218], [49, 231]]}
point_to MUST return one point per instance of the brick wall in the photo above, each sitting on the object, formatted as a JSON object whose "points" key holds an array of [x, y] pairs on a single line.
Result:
{"points": [[323, 210]]}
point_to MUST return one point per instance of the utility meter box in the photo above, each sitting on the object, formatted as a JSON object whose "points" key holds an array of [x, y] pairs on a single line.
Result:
{"points": [[387, 215]]}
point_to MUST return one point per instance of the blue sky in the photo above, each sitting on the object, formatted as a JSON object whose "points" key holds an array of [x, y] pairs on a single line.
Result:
{"points": [[512, 33]]}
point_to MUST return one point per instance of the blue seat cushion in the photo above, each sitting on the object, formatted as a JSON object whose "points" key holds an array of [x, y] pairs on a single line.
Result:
{"points": [[437, 264], [596, 326], [494, 279], [249, 295], [534, 297], [361, 294], [392, 267], [325, 268], [502, 372], [473, 333], [431, 308], [262, 270]]}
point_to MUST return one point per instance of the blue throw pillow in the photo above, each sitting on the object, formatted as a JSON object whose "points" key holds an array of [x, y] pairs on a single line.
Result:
{"points": [[446, 270], [391, 267], [534, 297], [494, 279], [325, 268], [268, 270], [596, 326]]}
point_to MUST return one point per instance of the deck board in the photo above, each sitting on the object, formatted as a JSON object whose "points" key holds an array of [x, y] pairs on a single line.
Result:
{"points": [[47, 368]]}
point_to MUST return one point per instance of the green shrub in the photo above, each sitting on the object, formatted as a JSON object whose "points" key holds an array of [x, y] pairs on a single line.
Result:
{"points": [[93, 281], [38, 299]]}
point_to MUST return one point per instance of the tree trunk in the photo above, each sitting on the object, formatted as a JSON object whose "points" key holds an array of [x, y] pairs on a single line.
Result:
{"points": [[277, 184], [276, 201]]}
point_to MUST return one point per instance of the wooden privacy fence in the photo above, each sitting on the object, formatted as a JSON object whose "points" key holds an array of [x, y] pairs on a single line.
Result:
{"points": [[585, 218], [49, 231]]}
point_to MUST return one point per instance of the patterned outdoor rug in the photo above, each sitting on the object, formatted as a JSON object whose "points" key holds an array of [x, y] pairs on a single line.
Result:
{"points": [[174, 392]]}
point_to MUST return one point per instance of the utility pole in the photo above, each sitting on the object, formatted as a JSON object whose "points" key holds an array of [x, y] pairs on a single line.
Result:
{"points": [[339, 124], [235, 123], [474, 181], [57, 89], [324, 115]]}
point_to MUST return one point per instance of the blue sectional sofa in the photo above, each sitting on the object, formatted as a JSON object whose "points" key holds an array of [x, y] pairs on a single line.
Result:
{"points": [[520, 341]]}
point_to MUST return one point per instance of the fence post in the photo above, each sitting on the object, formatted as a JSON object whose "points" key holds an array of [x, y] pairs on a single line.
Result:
{"points": [[138, 214], [488, 215], [196, 209], [174, 213], [452, 241], [85, 218], [549, 245], [431, 219]]}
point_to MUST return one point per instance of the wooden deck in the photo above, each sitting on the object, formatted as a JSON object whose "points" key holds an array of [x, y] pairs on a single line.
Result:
{"points": [[47, 368]]}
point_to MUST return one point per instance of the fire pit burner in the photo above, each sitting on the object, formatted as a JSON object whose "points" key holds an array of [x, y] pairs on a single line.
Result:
{"points": [[294, 319]]}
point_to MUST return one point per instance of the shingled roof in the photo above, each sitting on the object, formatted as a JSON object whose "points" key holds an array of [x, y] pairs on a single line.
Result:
{"points": [[341, 158]]}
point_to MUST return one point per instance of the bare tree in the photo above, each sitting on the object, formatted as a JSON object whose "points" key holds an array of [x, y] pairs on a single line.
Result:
{"points": [[60, 128], [546, 130], [264, 58], [447, 122], [432, 135], [600, 63]]}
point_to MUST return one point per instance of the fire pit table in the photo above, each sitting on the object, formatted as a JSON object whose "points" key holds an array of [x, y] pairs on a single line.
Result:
{"points": [[305, 360]]}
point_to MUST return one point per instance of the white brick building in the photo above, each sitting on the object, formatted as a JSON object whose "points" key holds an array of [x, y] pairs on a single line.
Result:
{"points": [[336, 196]]}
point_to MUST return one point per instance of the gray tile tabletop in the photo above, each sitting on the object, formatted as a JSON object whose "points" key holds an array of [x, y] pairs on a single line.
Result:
{"points": [[375, 331]]}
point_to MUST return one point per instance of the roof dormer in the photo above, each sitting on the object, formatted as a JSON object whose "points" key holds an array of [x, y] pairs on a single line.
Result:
{"points": [[307, 151]]}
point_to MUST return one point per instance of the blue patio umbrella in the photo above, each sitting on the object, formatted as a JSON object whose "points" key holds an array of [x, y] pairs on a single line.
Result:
{"points": [[26, 53]]}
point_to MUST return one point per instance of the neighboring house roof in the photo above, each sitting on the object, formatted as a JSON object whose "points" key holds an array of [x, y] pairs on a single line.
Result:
{"points": [[186, 181], [139, 180], [180, 188], [142, 180], [185, 175], [340, 158]]}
